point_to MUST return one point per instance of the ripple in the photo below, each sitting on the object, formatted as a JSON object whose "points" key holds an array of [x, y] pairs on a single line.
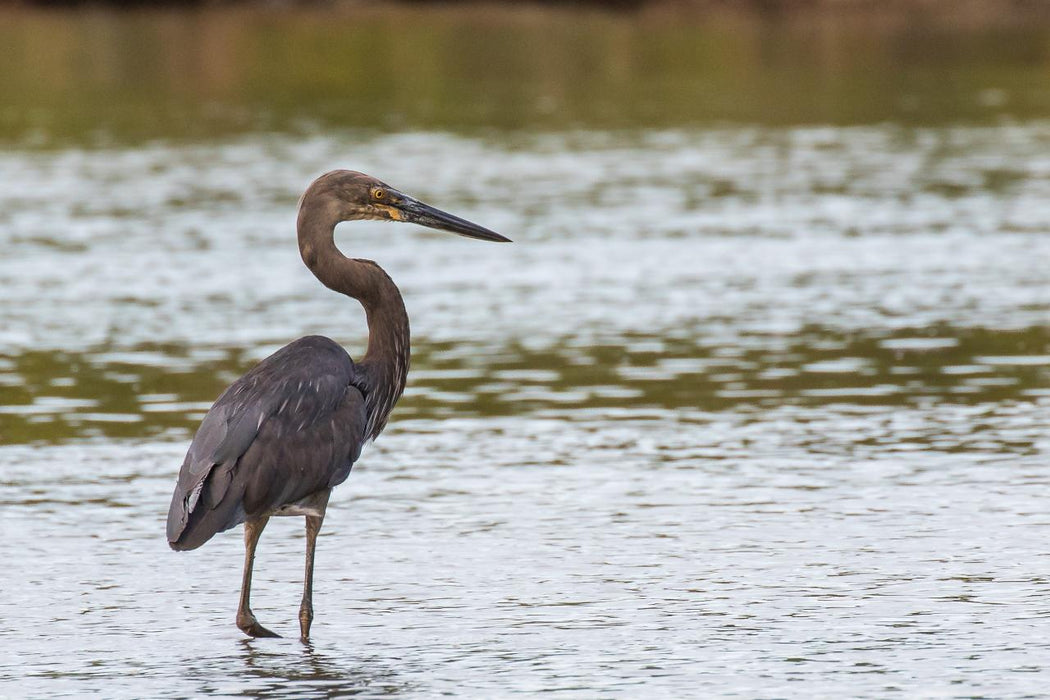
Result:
{"points": [[789, 432], [766, 371], [567, 551], [919, 344], [1015, 360]]}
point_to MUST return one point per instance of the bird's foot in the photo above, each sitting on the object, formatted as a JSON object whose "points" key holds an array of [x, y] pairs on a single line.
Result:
{"points": [[251, 627], [304, 625]]}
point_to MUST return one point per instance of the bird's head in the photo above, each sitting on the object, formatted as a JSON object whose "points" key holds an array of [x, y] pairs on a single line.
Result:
{"points": [[358, 196]]}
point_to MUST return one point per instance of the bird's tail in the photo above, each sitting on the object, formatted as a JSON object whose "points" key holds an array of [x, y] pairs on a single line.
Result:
{"points": [[201, 509]]}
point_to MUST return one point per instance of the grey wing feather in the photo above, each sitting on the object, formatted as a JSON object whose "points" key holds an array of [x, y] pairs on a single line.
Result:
{"points": [[291, 426]]}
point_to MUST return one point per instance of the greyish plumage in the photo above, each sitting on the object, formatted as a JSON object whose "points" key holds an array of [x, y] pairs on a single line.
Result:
{"points": [[301, 406], [283, 435]]}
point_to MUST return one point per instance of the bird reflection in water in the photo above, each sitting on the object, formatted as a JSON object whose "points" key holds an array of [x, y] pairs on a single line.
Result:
{"points": [[303, 671]]}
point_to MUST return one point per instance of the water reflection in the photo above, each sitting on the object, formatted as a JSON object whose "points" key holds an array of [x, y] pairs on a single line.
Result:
{"points": [[157, 391], [830, 266], [104, 77], [292, 669]]}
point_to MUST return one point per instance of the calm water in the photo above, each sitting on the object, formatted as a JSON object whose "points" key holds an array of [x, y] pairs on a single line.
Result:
{"points": [[753, 408]]}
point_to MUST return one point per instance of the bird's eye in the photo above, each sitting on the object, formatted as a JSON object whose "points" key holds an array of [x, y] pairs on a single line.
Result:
{"points": [[378, 193]]}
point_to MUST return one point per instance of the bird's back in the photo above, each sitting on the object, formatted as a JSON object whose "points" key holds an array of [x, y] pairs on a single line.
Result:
{"points": [[290, 427]]}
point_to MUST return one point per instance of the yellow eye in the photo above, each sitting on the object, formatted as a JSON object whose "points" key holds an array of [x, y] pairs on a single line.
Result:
{"points": [[378, 193]]}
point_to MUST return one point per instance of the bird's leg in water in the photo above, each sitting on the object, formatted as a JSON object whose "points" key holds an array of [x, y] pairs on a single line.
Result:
{"points": [[306, 609], [245, 619]]}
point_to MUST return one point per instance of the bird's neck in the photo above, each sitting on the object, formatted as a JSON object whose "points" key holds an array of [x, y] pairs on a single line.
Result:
{"points": [[385, 363]]}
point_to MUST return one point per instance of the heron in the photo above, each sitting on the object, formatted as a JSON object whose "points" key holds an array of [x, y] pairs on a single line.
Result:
{"points": [[281, 437]]}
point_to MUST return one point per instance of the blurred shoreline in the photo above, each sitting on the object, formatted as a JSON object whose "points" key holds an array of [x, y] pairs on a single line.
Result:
{"points": [[98, 74], [967, 15], [963, 11]]}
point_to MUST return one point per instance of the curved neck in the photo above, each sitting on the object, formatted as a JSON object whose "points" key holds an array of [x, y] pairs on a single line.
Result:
{"points": [[386, 361]]}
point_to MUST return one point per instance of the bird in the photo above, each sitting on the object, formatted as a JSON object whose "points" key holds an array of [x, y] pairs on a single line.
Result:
{"points": [[282, 436]]}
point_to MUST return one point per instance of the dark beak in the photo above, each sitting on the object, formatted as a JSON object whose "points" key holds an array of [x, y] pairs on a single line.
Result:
{"points": [[414, 211]]}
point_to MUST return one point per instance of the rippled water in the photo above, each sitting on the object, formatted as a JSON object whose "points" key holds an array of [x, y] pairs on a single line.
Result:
{"points": [[859, 551], [739, 409], [751, 411]]}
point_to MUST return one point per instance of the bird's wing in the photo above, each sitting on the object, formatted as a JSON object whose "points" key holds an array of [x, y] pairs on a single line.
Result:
{"points": [[291, 426]]}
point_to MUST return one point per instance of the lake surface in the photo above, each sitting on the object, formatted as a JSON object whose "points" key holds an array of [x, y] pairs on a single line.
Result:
{"points": [[756, 405]]}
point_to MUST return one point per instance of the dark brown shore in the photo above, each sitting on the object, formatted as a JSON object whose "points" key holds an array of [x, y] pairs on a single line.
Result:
{"points": [[881, 15], [983, 11]]}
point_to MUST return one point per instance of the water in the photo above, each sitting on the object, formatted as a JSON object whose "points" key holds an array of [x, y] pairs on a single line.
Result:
{"points": [[747, 409]]}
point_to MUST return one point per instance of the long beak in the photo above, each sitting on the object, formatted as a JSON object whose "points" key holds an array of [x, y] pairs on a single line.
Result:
{"points": [[414, 211]]}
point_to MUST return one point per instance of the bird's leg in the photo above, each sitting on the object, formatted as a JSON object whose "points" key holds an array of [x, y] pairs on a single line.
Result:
{"points": [[306, 608], [245, 619]]}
